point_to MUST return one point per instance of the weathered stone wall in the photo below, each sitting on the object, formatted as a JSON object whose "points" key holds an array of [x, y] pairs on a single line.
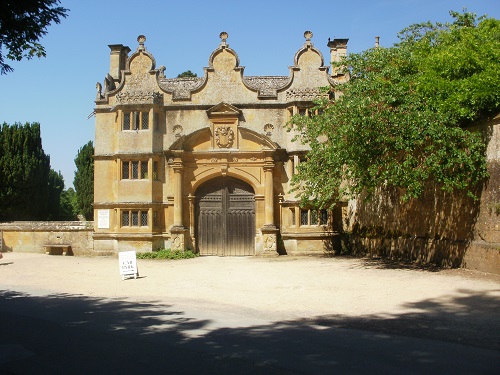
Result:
{"points": [[31, 236], [484, 251], [449, 230], [199, 129]]}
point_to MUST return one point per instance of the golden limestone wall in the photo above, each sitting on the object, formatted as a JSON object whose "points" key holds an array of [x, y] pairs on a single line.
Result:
{"points": [[159, 140], [439, 228], [32, 236]]}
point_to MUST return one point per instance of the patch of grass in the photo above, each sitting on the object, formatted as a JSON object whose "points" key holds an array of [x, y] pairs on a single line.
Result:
{"points": [[167, 254]]}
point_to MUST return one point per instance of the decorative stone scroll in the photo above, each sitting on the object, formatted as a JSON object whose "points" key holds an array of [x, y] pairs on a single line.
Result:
{"points": [[224, 136], [267, 86], [308, 94], [181, 88], [177, 129], [268, 129], [139, 97]]}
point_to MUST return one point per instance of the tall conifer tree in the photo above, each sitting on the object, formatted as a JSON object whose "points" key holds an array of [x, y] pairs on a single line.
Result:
{"points": [[84, 180], [24, 173], [56, 187]]}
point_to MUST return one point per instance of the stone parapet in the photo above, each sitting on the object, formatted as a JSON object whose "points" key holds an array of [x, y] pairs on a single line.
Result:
{"points": [[32, 236], [37, 226]]}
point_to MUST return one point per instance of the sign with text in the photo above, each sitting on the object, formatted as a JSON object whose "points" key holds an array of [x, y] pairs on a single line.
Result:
{"points": [[103, 219], [128, 264]]}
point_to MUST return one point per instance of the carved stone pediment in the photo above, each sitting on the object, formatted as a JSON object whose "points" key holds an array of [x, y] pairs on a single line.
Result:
{"points": [[223, 110]]}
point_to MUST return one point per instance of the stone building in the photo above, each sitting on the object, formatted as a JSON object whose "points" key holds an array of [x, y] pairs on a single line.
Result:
{"points": [[205, 163]]}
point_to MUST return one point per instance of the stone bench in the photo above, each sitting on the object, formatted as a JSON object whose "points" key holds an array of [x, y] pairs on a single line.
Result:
{"points": [[49, 249]]}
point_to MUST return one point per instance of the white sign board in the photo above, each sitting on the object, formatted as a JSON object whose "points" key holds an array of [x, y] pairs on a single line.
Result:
{"points": [[103, 219], [128, 264]]}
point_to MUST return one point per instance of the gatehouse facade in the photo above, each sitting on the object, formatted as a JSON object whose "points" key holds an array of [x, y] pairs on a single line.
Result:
{"points": [[205, 163]]}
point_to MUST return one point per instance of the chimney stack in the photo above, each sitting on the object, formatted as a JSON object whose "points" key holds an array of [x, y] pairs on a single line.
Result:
{"points": [[338, 49], [117, 59]]}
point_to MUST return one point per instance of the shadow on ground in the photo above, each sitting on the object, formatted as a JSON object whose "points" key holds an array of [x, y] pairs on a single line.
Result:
{"points": [[394, 264], [75, 334]]}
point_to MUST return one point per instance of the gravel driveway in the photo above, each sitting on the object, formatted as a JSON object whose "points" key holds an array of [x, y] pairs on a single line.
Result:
{"points": [[220, 309]]}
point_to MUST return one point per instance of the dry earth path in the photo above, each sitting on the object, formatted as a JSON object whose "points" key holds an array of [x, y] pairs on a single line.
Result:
{"points": [[250, 315]]}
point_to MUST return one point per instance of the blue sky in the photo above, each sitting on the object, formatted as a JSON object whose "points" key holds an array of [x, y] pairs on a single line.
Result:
{"points": [[59, 91]]}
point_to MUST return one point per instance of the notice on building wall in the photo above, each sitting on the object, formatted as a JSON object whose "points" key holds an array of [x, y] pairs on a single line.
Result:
{"points": [[128, 264], [103, 219]]}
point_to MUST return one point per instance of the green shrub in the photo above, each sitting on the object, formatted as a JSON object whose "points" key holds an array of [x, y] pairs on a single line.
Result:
{"points": [[167, 254]]}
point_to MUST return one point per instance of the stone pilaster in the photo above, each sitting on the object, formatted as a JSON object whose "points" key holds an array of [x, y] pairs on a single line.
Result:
{"points": [[268, 192], [178, 231], [178, 168], [269, 230]]}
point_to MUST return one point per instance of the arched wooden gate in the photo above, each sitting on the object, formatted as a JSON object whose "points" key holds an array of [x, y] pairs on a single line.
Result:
{"points": [[225, 218]]}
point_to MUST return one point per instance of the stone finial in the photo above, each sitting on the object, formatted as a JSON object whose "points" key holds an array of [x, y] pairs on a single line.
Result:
{"points": [[377, 41], [141, 39], [308, 35], [223, 36], [98, 87], [161, 70]]}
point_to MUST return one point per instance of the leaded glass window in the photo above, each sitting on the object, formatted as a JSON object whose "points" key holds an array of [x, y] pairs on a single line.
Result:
{"points": [[304, 217], [145, 120], [314, 217], [144, 218], [135, 218], [126, 121], [125, 170], [135, 170], [144, 169], [125, 218]]}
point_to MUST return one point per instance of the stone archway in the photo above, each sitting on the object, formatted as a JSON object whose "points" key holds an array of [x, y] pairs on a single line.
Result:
{"points": [[225, 218]]}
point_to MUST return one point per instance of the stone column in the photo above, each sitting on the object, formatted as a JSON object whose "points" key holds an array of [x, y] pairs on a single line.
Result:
{"points": [[269, 230], [177, 231], [177, 168], [191, 199], [268, 195]]}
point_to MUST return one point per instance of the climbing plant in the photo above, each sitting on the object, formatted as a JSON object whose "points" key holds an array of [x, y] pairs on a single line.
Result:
{"points": [[404, 116]]}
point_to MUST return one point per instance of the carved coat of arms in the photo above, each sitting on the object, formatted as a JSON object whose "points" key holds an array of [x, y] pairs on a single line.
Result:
{"points": [[224, 136]]}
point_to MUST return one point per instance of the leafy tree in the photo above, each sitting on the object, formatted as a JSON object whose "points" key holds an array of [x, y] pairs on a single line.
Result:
{"points": [[187, 74], [22, 23], [56, 186], [24, 173], [402, 118], [68, 207], [84, 180]]}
